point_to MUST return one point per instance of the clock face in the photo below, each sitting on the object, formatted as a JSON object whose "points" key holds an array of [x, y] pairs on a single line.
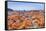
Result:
{"points": [[25, 15]]}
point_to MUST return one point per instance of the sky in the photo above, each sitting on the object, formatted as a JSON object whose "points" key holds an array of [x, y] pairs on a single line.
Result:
{"points": [[25, 6]]}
